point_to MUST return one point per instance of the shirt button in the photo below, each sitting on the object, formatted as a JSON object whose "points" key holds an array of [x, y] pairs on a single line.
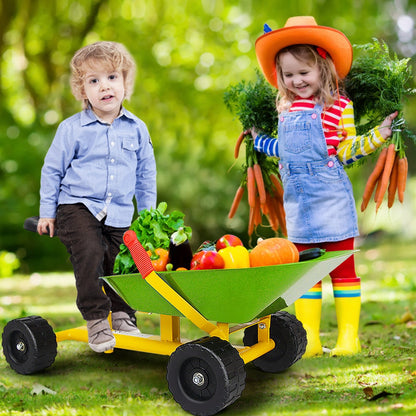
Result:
{"points": [[131, 145], [112, 143], [112, 160], [110, 194], [282, 119], [112, 177], [330, 164], [314, 116]]}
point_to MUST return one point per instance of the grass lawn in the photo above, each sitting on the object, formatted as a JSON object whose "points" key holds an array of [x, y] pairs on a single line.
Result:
{"points": [[81, 382]]}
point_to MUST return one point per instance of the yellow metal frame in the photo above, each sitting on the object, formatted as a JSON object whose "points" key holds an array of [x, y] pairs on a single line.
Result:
{"points": [[169, 339]]}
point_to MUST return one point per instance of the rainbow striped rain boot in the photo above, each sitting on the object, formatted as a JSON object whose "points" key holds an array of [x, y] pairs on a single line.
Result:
{"points": [[347, 297], [308, 310]]}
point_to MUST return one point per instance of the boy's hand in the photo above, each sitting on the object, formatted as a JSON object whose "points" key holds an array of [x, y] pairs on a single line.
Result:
{"points": [[46, 226], [385, 129]]}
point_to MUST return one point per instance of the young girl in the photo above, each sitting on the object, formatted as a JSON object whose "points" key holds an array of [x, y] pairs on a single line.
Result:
{"points": [[306, 62], [99, 159]]}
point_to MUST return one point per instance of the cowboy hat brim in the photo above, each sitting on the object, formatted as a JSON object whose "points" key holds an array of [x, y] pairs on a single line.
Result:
{"points": [[333, 41]]}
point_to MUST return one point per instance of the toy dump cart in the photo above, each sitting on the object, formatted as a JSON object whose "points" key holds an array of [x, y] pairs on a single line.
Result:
{"points": [[204, 375]]}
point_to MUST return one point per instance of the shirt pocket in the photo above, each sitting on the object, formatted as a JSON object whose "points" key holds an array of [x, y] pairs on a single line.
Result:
{"points": [[129, 143], [297, 136]]}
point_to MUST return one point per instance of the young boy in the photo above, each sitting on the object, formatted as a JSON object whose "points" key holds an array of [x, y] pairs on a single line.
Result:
{"points": [[99, 159]]}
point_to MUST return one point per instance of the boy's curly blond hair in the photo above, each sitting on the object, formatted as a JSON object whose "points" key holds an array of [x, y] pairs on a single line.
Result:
{"points": [[111, 54]]}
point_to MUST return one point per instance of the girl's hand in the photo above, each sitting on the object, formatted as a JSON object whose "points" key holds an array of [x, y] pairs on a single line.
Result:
{"points": [[251, 131], [385, 129], [46, 226]]}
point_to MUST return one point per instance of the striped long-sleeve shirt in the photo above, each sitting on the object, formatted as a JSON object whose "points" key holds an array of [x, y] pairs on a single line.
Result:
{"points": [[335, 119]]}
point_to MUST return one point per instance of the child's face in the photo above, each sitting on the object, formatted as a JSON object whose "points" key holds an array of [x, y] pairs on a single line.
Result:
{"points": [[301, 78], [104, 89]]}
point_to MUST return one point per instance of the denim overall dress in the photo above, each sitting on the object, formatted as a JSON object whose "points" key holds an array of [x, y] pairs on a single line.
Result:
{"points": [[318, 197]]}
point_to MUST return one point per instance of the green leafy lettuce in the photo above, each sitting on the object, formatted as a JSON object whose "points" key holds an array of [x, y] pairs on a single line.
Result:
{"points": [[153, 228]]}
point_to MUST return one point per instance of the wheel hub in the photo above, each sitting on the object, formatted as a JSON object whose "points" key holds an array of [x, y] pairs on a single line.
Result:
{"points": [[198, 379], [21, 346]]}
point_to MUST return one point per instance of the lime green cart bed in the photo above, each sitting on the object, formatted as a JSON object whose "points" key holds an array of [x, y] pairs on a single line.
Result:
{"points": [[204, 375]]}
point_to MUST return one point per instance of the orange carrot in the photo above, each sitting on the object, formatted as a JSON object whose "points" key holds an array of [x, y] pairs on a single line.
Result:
{"points": [[401, 177], [281, 216], [257, 212], [251, 222], [264, 209], [377, 191], [272, 214], [372, 179], [278, 212], [278, 186], [251, 187], [388, 166], [258, 175], [391, 190], [273, 222], [236, 202], [238, 145]]}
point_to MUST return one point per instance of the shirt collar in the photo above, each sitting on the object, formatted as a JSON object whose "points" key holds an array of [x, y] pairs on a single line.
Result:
{"points": [[88, 116]]}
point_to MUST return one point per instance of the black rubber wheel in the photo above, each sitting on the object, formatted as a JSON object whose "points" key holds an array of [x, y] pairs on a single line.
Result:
{"points": [[206, 375], [29, 344], [290, 339]]}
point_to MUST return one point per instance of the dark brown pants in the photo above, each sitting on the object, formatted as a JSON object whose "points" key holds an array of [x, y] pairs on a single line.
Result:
{"points": [[93, 247]]}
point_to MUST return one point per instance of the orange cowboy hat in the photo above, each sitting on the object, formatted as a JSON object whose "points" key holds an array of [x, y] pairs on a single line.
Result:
{"points": [[303, 30]]}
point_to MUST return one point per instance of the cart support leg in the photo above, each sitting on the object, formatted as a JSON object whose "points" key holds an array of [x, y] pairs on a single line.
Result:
{"points": [[170, 328], [224, 329], [182, 305], [264, 344]]}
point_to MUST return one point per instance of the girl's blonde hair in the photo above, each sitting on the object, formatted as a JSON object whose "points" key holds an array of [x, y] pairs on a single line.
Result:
{"points": [[329, 88], [112, 54]]}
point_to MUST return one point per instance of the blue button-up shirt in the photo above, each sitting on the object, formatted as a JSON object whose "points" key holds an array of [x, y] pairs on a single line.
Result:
{"points": [[101, 166]]}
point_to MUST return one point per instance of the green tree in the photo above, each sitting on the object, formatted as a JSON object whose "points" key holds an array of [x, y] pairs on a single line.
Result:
{"points": [[187, 53]]}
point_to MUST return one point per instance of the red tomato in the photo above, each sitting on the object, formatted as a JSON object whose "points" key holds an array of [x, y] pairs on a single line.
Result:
{"points": [[228, 240], [207, 260]]}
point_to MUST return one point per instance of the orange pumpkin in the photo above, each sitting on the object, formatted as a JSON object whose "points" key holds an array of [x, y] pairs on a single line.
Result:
{"points": [[273, 251]]}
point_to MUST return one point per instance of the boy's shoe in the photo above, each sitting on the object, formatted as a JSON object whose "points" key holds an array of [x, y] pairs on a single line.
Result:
{"points": [[100, 336], [122, 322]]}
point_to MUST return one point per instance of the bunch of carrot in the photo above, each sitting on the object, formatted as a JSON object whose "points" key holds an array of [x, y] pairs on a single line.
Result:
{"points": [[388, 176], [264, 189], [379, 83]]}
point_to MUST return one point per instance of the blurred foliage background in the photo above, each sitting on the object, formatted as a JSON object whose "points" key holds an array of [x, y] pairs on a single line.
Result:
{"points": [[187, 54]]}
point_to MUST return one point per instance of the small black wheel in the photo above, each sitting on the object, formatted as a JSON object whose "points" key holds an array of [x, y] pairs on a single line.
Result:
{"points": [[290, 339], [206, 375], [29, 344]]}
